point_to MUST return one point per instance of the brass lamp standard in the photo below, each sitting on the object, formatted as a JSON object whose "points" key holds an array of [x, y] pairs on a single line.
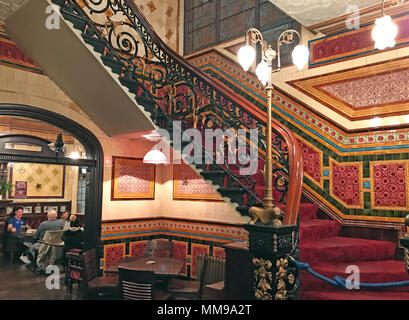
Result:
{"points": [[270, 213]]}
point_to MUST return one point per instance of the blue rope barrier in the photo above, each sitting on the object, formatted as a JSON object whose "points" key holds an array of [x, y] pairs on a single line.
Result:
{"points": [[342, 283]]}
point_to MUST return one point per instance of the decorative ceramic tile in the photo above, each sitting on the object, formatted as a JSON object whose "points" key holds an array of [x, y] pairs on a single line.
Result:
{"points": [[180, 250], [380, 89], [113, 253], [345, 183], [219, 252], [312, 161], [390, 185], [137, 248]]}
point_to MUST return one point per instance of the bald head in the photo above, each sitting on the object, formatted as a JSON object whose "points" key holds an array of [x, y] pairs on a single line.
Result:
{"points": [[52, 215]]}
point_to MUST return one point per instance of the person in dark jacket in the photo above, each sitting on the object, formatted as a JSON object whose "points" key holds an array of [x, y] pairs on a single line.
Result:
{"points": [[73, 239]]}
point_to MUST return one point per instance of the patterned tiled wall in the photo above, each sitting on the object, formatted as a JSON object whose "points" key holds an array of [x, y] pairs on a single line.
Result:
{"points": [[164, 16], [344, 170], [190, 238]]}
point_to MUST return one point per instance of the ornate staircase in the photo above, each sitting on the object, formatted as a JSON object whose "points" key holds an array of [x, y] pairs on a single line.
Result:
{"points": [[169, 89]]}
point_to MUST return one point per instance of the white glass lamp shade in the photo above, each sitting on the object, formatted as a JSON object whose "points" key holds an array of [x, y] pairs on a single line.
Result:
{"points": [[384, 33], [246, 56], [263, 72], [155, 157], [300, 56]]}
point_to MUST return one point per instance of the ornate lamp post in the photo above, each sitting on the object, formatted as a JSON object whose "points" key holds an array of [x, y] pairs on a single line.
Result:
{"points": [[269, 214], [270, 242]]}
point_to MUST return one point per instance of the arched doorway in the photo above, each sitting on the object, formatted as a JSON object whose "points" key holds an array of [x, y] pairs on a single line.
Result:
{"points": [[94, 161]]}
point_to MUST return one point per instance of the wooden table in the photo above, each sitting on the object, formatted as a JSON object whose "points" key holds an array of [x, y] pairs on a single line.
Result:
{"points": [[162, 267]]}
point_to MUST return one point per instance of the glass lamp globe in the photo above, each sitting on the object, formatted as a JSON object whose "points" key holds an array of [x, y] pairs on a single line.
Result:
{"points": [[246, 56], [155, 157], [263, 72], [300, 56], [384, 33]]}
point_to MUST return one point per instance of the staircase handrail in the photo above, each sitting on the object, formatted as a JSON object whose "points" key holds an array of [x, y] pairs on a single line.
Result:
{"points": [[221, 96]]}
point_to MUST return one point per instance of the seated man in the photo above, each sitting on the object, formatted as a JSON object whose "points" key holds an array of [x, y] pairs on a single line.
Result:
{"points": [[51, 224], [68, 219], [15, 224]]}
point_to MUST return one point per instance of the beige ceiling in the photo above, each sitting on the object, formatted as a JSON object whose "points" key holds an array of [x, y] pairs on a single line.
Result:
{"points": [[8, 6], [312, 12]]}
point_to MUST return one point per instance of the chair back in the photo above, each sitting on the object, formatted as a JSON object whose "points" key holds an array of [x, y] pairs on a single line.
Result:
{"points": [[136, 285], [54, 237], [201, 270], [90, 265], [157, 248], [215, 271], [46, 254], [75, 263]]}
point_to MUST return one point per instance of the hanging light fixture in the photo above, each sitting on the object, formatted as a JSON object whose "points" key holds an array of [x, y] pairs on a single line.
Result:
{"points": [[154, 156], [385, 31]]}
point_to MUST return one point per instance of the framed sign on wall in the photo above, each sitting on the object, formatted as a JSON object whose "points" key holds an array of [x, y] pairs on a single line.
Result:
{"points": [[188, 185], [132, 179]]}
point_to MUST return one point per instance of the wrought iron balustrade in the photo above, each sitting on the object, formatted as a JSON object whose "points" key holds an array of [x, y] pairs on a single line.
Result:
{"points": [[172, 89]]}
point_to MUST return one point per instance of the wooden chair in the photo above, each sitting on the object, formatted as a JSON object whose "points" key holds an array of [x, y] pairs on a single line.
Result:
{"points": [[213, 288], [51, 249], [214, 291], [157, 248], [84, 266], [75, 265], [139, 285], [191, 289]]}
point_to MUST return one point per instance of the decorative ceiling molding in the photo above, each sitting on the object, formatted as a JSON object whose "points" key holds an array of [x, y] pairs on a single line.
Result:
{"points": [[353, 44], [330, 16], [362, 93], [367, 16]]}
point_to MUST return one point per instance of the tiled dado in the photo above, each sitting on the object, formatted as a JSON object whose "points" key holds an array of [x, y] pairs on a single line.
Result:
{"points": [[338, 167], [190, 238]]}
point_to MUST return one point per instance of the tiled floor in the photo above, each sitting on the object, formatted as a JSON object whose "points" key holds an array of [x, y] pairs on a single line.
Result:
{"points": [[19, 283]]}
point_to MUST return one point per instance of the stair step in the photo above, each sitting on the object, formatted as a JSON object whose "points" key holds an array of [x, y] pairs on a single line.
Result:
{"points": [[58, 2], [308, 211], [131, 84], [369, 271], [235, 194], [340, 249], [340, 294], [316, 229], [78, 22], [244, 210], [216, 176], [96, 43], [115, 65]]}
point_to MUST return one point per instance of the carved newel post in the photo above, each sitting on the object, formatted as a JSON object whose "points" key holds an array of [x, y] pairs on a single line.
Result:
{"points": [[275, 276]]}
